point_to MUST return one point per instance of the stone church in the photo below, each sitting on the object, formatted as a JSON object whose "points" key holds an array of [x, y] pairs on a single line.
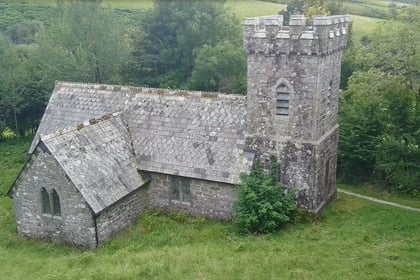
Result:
{"points": [[102, 153]]}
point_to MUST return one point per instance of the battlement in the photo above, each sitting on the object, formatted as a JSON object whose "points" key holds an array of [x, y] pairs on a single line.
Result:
{"points": [[267, 35]]}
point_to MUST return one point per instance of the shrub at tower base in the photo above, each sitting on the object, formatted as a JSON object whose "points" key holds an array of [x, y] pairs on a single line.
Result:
{"points": [[263, 205]]}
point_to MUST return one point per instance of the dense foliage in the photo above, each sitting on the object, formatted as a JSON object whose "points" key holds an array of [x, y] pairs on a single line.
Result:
{"points": [[175, 33], [311, 7], [263, 205], [188, 44], [380, 110]]}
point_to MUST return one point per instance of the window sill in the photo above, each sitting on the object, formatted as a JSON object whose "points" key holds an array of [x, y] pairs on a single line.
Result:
{"points": [[183, 203], [51, 216]]}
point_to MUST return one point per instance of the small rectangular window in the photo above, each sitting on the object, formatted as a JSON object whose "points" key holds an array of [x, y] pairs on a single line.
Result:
{"points": [[176, 192], [186, 197], [181, 189]]}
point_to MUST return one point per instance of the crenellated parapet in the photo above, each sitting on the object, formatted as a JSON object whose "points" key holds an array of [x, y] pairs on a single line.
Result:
{"points": [[267, 35]]}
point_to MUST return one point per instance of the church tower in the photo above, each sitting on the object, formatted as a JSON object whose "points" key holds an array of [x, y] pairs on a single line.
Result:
{"points": [[293, 86]]}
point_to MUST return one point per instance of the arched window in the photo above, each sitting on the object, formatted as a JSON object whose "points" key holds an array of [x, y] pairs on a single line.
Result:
{"points": [[46, 208], [50, 202], [56, 204], [283, 96]]}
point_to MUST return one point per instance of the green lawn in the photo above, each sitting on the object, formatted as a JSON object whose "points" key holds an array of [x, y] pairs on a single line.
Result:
{"points": [[354, 239], [364, 25], [243, 8], [381, 193], [252, 8], [12, 156], [370, 8]]}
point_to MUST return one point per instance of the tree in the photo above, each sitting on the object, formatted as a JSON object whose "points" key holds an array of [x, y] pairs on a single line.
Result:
{"points": [[380, 110], [23, 32], [380, 131], [219, 68], [294, 7], [312, 7], [396, 49], [83, 44], [10, 102], [174, 32], [361, 125]]}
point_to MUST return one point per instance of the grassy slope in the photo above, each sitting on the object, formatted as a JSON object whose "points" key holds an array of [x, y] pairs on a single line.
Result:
{"points": [[12, 157], [381, 193], [249, 8], [354, 239], [242, 8], [364, 25]]}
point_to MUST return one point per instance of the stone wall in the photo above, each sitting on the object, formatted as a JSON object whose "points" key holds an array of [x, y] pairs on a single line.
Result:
{"points": [[328, 80], [297, 169], [326, 166], [305, 63], [121, 215], [75, 226], [208, 199]]}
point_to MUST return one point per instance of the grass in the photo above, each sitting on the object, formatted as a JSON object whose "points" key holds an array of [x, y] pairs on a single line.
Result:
{"points": [[362, 25], [12, 156], [381, 193], [252, 8], [365, 25], [242, 8], [354, 239], [372, 8]]}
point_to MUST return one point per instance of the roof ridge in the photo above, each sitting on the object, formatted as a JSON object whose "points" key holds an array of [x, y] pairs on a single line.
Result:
{"points": [[150, 90], [80, 126]]}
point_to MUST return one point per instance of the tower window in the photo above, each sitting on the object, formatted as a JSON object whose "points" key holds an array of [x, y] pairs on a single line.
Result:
{"points": [[283, 96]]}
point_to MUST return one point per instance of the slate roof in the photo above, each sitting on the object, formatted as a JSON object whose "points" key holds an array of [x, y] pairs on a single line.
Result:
{"points": [[99, 159], [192, 134]]}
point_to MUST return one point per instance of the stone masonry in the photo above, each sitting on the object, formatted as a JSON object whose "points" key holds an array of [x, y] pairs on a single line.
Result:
{"points": [[208, 199], [105, 153], [293, 83], [75, 227]]}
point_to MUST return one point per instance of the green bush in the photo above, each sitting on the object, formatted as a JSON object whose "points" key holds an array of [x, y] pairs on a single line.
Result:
{"points": [[263, 206]]}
